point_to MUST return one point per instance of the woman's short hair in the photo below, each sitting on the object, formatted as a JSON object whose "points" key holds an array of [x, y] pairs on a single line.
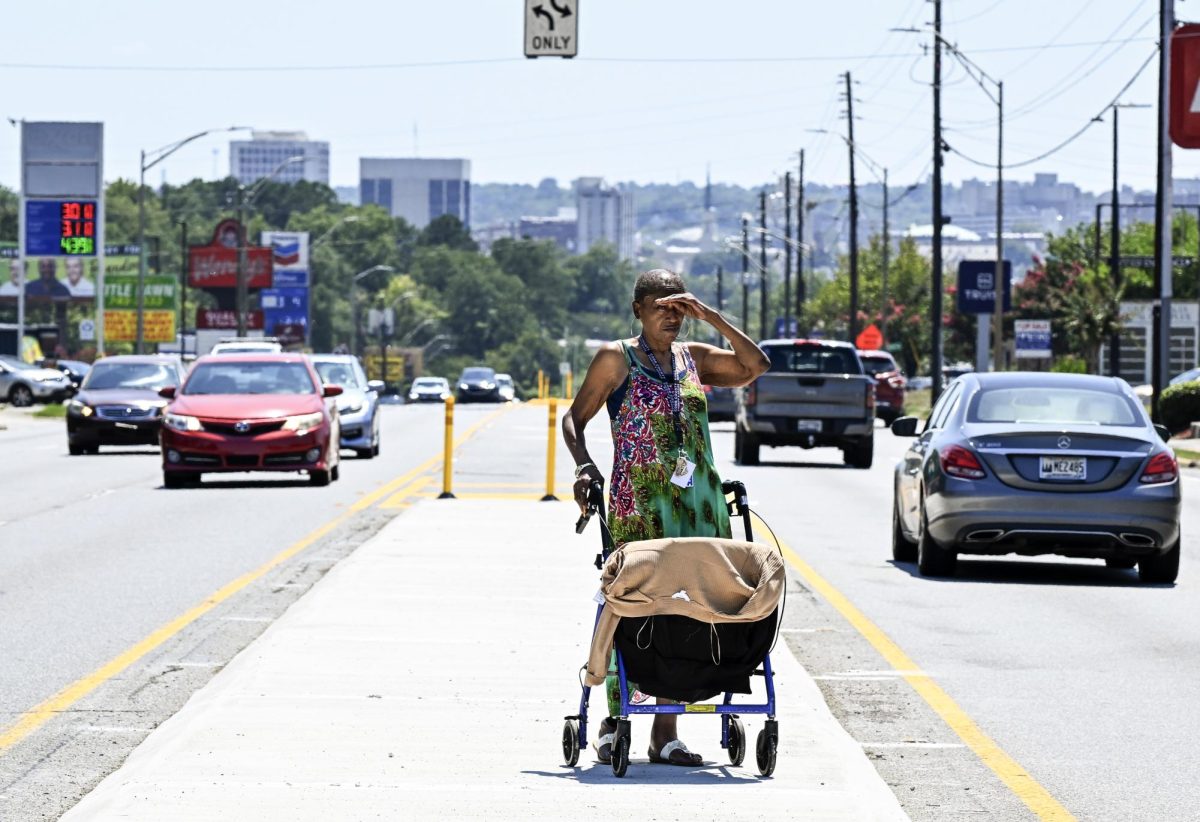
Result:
{"points": [[657, 282]]}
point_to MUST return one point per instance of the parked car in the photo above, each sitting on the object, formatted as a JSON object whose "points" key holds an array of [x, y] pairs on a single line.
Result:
{"points": [[358, 406], [119, 403], [478, 384], [75, 370], [815, 394], [508, 391], [722, 404], [1191, 375], [247, 345], [250, 412], [22, 384], [429, 389], [889, 384], [1037, 463]]}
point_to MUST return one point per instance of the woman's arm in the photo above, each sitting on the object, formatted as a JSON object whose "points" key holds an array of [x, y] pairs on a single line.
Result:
{"points": [[607, 371], [716, 366]]}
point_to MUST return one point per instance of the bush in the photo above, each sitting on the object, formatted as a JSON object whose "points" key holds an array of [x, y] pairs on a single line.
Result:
{"points": [[1180, 406], [1069, 364]]}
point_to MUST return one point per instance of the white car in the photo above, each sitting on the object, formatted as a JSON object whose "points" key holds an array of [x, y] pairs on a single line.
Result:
{"points": [[429, 389], [508, 391], [248, 345]]}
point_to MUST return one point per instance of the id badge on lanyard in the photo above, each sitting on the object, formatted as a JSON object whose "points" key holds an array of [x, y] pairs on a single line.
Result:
{"points": [[684, 469]]}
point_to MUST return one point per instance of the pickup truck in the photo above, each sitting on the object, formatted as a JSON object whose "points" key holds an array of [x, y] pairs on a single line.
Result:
{"points": [[815, 394]]}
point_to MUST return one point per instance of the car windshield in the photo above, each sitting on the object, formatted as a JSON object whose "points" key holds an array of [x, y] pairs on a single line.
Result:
{"points": [[338, 373], [246, 349], [878, 365], [249, 378], [150, 376], [477, 374], [1058, 405], [813, 359], [429, 383], [504, 380], [17, 365]]}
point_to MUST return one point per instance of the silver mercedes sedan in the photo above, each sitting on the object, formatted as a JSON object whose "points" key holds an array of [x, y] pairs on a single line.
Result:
{"points": [[1037, 463]]}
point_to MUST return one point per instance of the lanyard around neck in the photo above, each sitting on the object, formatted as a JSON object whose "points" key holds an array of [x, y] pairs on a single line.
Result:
{"points": [[674, 394]]}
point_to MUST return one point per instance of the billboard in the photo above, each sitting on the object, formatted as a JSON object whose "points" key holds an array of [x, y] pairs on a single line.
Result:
{"points": [[289, 257], [216, 265], [59, 278], [977, 286], [226, 320], [1032, 339], [120, 307]]}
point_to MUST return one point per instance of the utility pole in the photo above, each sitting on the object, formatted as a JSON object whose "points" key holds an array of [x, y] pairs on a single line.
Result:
{"points": [[853, 328], [800, 284], [745, 274], [141, 280], [887, 249], [1163, 248], [720, 289], [243, 291], [762, 261], [787, 254], [1001, 286], [935, 296], [1114, 260], [183, 276]]}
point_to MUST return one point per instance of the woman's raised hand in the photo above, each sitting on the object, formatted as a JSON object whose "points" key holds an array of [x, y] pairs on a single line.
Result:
{"points": [[688, 304]]}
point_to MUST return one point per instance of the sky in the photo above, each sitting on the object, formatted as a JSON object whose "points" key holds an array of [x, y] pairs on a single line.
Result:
{"points": [[661, 91]]}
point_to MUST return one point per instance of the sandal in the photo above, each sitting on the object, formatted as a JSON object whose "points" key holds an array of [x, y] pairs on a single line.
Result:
{"points": [[675, 746], [604, 748]]}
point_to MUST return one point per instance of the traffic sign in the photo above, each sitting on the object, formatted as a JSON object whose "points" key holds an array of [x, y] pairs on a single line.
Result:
{"points": [[87, 330], [551, 28], [1185, 86], [1032, 339], [870, 339], [977, 286]]}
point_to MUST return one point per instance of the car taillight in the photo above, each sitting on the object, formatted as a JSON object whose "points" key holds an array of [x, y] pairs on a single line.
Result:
{"points": [[1162, 467], [752, 394], [959, 462]]}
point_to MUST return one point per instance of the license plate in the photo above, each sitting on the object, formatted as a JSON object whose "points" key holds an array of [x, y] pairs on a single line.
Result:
{"points": [[127, 425], [808, 425], [1063, 468]]}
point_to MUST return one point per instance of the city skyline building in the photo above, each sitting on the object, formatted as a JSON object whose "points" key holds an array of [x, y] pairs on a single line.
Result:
{"points": [[416, 188], [604, 214], [251, 160]]}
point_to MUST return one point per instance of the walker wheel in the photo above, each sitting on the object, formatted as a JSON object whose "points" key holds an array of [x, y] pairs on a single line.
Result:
{"points": [[570, 742], [765, 750], [737, 742], [620, 749]]}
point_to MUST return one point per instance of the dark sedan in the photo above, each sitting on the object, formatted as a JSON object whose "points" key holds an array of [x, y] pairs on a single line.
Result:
{"points": [[1024, 463], [478, 384], [119, 404]]}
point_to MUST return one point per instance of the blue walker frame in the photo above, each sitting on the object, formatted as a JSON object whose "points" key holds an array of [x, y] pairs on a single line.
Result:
{"points": [[732, 734]]}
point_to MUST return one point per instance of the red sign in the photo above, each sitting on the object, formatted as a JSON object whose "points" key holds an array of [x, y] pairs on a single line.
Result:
{"points": [[870, 339], [210, 318], [1185, 86], [216, 265]]}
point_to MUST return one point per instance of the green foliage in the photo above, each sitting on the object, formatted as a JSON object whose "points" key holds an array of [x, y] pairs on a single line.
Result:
{"points": [[448, 231], [1180, 406], [1070, 364]]}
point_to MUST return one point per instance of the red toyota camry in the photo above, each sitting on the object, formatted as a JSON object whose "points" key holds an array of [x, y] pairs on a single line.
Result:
{"points": [[261, 412]]}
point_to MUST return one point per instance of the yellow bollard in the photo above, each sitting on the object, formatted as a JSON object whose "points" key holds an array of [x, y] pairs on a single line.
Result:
{"points": [[448, 456], [551, 441], [541, 384], [570, 385]]}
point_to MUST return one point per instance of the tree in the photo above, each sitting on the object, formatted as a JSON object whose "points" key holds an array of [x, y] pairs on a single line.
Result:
{"points": [[447, 230], [603, 281], [538, 264]]}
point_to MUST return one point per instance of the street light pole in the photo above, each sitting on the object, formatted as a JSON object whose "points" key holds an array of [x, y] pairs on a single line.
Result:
{"points": [[762, 263], [1001, 286], [244, 198], [787, 254], [745, 274], [354, 302], [801, 286], [1163, 247], [887, 248], [1114, 260], [935, 297]]}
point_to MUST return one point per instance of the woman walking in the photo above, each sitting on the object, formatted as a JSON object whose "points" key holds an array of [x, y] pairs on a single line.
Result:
{"points": [[664, 482]]}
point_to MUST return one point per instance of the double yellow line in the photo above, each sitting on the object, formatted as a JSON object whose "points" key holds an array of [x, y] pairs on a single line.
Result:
{"points": [[62, 701], [1010, 772]]}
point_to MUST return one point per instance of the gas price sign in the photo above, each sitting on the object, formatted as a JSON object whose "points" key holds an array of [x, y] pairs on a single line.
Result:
{"points": [[57, 228]]}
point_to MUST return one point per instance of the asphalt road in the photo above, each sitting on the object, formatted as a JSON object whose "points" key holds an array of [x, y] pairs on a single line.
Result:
{"points": [[1084, 676], [95, 556]]}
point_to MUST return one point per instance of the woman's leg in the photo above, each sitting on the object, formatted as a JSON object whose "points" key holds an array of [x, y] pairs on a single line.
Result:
{"points": [[664, 730]]}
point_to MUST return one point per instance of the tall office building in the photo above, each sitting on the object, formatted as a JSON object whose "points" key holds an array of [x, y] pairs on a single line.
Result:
{"points": [[265, 151], [417, 189], [605, 215]]}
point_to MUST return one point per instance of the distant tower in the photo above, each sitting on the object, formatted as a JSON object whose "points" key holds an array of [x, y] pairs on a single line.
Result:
{"points": [[707, 188], [709, 240]]}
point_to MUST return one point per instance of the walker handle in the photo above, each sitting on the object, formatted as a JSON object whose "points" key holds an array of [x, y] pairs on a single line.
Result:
{"points": [[595, 500]]}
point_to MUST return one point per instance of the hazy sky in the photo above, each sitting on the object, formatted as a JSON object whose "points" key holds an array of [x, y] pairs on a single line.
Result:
{"points": [[660, 89]]}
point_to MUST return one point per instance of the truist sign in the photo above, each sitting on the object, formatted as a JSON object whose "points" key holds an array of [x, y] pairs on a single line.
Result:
{"points": [[216, 265]]}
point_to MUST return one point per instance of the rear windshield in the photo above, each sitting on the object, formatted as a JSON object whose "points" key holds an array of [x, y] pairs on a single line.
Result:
{"points": [[429, 382], [877, 365], [478, 374], [147, 375], [1072, 406], [813, 359], [249, 378], [338, 373]]}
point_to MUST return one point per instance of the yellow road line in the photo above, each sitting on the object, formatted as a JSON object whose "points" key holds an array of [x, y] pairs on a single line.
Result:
{"points": [[530, 485], [46, 710], [401, 497], [1018, 780]]}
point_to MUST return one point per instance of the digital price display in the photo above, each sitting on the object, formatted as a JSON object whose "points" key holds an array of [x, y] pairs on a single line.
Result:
{"points": [[58, 228]]}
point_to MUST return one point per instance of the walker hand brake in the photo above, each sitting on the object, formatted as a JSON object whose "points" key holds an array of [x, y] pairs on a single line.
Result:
{"points": [[595, 496]]}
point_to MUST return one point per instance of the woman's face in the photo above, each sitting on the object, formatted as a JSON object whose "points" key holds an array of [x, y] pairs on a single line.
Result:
{"points": [[659, 322]]}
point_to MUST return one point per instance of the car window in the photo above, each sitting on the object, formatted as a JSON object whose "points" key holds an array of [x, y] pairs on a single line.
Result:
{"points": [[147, 375], [941, 411], [813, 359], [339, 373], [1052, 404], [249, 378], [877, 365], [477, 373]]}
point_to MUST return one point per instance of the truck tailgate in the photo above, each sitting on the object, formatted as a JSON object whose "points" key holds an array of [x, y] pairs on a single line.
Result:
{"points": [[814, 396]]}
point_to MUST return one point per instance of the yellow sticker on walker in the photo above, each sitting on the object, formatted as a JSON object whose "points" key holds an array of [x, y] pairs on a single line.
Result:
{"points": [[684, 468], [700, 709]]}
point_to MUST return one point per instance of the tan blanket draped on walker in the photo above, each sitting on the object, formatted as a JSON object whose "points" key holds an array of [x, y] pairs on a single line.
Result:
{"points": [[710, 580]]}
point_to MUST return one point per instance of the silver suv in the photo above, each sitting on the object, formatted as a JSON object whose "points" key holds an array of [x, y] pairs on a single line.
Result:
{"points": [[23, 384]]}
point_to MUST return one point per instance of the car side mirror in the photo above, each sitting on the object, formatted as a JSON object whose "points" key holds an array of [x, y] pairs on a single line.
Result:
{"points": [[167, 391], [332, 391], [376, 385], [1163, 432], [905, 426]]}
